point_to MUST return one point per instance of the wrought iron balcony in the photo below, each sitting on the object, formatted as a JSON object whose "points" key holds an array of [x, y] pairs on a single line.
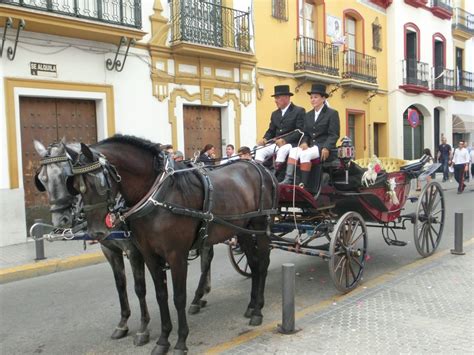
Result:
{"points": [[359, 66], [317, 56], [415, 73], [117, 12], [443, 79], [442, 8], [464, 81], [205, 23], [463, 21]]}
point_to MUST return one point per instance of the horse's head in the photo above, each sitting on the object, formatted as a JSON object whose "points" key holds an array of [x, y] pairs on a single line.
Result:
{"points": [[97, 181], [51, 176]]}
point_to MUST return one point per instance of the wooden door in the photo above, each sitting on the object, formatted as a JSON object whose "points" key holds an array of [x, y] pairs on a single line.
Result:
{"points": [[48, 120], [202, 125]]}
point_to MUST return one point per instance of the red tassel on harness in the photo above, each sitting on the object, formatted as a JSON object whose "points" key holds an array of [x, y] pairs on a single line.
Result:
{"points": [[110, 220]]}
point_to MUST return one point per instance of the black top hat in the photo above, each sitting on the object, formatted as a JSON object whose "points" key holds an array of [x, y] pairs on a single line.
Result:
{"points": [[318, 89], [282, 90]]}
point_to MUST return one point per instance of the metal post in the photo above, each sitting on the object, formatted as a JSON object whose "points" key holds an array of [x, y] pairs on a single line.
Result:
{"points": [[39, 243], [288, 300], [458, 234]]}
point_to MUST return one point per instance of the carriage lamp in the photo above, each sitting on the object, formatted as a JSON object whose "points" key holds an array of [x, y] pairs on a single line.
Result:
{"points": [[345, 153]]}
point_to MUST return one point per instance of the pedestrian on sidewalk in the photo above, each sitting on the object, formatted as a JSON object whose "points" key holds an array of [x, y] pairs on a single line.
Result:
{"points": [[444, 156], [471, 154], [461, 163]]}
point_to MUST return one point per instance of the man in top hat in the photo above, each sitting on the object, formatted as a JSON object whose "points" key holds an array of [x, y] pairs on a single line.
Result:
{"points": [[321, 132], [285, 119]]}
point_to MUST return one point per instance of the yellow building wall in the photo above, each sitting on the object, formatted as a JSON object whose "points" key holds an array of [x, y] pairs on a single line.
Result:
{"points": [[276, 56]]}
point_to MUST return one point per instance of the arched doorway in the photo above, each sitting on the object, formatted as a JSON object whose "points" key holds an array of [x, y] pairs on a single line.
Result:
{"points": [[412, 133]]}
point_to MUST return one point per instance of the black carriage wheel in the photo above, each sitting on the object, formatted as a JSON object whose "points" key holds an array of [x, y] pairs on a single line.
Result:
{"points": [[238, 258], [348, 250], [429, 219]]}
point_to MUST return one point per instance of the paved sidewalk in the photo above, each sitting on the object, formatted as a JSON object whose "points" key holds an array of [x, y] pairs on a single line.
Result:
{"points": [[424, 308]]}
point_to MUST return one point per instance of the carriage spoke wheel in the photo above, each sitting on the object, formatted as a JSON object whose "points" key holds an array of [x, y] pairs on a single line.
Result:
{"points": [[429, 219], [238, 258], [348, 250]]}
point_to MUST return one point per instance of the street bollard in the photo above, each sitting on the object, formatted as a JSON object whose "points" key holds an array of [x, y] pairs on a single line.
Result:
{"points": [[458, 234], [287, 325], [39, 243]]}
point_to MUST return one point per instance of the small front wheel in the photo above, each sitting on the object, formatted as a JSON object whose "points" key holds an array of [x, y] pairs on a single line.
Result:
{"points": [[238, 258], [348, 250]]}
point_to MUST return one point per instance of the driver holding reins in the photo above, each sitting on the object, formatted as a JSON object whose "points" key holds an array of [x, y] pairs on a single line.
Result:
{"points": [[285, 119]]}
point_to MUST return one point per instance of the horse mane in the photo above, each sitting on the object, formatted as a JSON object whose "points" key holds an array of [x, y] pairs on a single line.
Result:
{"points": [[141, 143], [183, 181]]}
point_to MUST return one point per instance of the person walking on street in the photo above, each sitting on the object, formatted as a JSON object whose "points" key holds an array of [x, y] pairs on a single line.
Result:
{"points": [[321, 132], [461, 163], [444, 156], [285, 119], [471, 154]]}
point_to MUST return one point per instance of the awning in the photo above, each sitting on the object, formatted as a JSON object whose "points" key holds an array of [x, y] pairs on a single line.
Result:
{"points": [[463, 123]]}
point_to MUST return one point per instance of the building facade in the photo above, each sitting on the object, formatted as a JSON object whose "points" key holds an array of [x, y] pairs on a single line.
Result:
{"points": [[430, 81], [341, 44], [179, 72]]}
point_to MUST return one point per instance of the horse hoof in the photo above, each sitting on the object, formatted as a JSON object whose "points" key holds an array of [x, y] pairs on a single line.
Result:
{"points": [[119, 333], [141, 338], [180, 352], [255, 320], [160, 349], [194, 309], [248, 312], [202, 303]]}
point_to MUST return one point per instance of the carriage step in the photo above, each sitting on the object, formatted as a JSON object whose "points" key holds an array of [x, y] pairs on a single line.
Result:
{"points": [[397, 243]]}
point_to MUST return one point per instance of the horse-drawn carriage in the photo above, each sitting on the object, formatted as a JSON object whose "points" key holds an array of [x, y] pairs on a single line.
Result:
{"points": [[331, 218], [170, 211]]}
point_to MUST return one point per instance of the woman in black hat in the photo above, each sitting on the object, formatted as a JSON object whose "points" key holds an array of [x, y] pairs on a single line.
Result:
{"points": [[321, 132], [285, 119]]}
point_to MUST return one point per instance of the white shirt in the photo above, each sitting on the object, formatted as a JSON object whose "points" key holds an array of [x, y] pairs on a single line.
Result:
{"points": [[316, 113], [283, 110], [461, 156]]}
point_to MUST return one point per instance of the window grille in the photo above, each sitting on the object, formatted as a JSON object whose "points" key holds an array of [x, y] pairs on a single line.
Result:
{"points": [[280, 9]]}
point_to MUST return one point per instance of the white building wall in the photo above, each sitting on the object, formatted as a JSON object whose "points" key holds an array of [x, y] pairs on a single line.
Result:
{"points": [[137, 111], [399, 14]]}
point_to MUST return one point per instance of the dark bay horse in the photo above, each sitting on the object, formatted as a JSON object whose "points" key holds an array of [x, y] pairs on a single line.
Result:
{"points": [[185, 207], [51, 177]]}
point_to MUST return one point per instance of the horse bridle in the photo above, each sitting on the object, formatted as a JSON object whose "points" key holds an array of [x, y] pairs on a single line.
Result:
{"points": [[62, 203], [108, 171]]}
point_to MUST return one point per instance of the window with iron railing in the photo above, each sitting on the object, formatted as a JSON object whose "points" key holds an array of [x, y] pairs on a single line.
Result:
{"points": [[415, 73], [445, 4], [280, 9], [463, 20], [443, 78], [317, 56], [117, 12], [359, 66], [209, 23]]}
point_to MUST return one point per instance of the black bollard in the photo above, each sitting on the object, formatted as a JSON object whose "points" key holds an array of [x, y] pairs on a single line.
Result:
{"points": [[458, 234], [287, 325], [39, 243]]}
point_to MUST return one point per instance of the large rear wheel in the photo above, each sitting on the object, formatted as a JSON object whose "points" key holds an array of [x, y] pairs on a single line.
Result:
{"points": [[348, 250], [429, 219]]}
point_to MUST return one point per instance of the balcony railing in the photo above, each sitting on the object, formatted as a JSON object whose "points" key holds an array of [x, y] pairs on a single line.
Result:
{"points": [[359, 66], [317, 56], [444, 4], [463, 20], [443, 79], [117, 12], [415, 73], [202, 22], [464, 81]]}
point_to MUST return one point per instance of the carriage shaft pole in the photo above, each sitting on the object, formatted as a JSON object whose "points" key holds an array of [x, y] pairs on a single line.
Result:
{"points": [[458, 234], [287, 325]]}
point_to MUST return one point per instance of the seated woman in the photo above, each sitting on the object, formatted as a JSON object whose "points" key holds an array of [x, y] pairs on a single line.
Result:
{"points": [[207, 155], [321, 132]]}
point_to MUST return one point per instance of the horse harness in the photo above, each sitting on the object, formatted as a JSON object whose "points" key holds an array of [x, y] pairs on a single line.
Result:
{"points": [[117, 210]]}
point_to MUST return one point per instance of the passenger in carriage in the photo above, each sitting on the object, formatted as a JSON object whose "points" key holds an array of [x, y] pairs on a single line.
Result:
{"points": [[321, 132], [245, 153], [285, 119]]}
